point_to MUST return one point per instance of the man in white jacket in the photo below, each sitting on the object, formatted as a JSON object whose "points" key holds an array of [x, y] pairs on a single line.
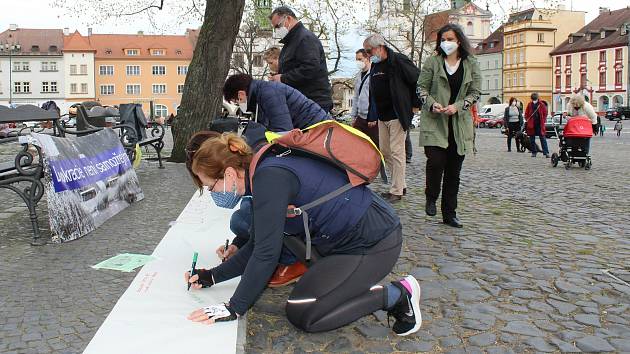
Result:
{"points": [[361, 99], [579, 107]]}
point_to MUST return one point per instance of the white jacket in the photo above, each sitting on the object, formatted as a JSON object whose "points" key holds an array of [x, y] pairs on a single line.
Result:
{"points": [[361, 100], [585, 110]]}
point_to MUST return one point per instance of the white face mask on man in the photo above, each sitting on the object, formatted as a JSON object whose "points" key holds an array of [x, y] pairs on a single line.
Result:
{"points": [[280, 32], [449, 47]]}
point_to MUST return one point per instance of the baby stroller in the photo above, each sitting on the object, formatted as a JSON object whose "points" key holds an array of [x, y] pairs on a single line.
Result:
{"points": [[574, 142]]}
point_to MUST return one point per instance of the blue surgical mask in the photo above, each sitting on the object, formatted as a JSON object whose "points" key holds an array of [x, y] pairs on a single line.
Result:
{"points": [[226, 199], [375, 59]]}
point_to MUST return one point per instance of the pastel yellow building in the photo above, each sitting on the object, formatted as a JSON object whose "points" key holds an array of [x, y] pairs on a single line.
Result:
{"points": [[594, 62], [528, 38], [141, 69]]}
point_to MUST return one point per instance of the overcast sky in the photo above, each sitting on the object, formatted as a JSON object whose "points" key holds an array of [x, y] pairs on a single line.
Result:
{"points": [[41, 14]]}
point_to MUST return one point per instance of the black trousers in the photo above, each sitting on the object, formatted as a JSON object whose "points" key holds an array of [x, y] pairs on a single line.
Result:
{"points": [[341, 288], [408, 147], [443, 169], [514, 127]]}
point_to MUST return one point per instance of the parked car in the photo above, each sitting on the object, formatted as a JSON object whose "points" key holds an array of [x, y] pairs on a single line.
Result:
{"points": [[493, 110], [483, 120], [559, 119], [617, 113], [495, 123]]}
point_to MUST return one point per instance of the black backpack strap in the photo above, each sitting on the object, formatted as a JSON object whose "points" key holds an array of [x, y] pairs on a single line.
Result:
{"points": [[302, 211]]}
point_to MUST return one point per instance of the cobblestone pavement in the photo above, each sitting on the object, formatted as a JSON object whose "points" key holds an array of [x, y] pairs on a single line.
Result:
{"points": [[524, 275]]}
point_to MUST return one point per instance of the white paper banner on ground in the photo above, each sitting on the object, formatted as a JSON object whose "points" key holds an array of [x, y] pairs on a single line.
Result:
{"points": [[150, 317], [88, 180]]}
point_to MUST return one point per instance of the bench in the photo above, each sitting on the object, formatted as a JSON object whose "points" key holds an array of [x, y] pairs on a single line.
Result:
{"points": [[150, 317], [132, 127], [23, 173]]}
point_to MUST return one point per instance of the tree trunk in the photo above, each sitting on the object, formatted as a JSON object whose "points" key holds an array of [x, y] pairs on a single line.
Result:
{"points": [[203, 96]]}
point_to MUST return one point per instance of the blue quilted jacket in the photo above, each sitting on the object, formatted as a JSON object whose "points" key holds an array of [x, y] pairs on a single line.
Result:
{"points": [[280, 107]]}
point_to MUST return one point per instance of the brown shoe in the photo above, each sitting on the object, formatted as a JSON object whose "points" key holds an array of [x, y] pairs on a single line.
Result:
{"points": [[287, 274], [392, 198]]}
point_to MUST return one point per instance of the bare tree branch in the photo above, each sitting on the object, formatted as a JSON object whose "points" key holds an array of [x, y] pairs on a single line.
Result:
{"points": [[159, 7]]}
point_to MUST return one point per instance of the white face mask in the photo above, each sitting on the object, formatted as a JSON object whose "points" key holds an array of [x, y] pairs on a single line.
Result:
{"points": [[448, 47], [280, 32], [243, 106], [514, 103], [360, 64]]}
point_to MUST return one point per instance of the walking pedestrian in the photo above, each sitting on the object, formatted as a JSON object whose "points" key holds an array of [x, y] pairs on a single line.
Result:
{"points": [[579, 107], [392, 98], [618, 127], [536, 117], [602, 129], [361, 245], [302, 62], [361, 99], [449, 85], [512, 120]]}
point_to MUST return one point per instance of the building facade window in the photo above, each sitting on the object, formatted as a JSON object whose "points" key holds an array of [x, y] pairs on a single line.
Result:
{"points": [[106, 70], [521, 38], [133, 89], [159, 89], [558, 62], [22, 87], [567, 60], [567, 82], [541, 38], [84, 69], [182, 69], [582, 80], [558, 82], [107, 90], [157, 52], [160, 110], [514, 39], [507, 58], [258, 61], [496, 63], [73, 70], [602, 56], [496, 83], [470, 29], [45, 87], [507, 80], [522, 56], [84, 88], [158, 70], [602, 79], [44, 66], [21, 66], [180, 88], [514, 80], [73, 88], [618, 78], [583, 58], [52, 66], [521, 79], [132, 52], [133, 70], [507, 40], [618, 54]]}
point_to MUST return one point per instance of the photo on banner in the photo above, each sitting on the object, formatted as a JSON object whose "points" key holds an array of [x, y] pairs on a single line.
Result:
{"points": [[87, 180]]}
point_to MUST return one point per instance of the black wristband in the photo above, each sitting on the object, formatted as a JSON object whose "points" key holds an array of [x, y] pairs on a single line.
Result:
{"points": [[205, 277]]}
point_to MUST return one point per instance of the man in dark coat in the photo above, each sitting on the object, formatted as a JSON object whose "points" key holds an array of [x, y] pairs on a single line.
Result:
{"points": [[302, 63], [277, 106], [393, 96]]}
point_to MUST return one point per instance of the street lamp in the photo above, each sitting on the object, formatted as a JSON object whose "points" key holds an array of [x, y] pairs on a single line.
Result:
{"points": [[10, 48]]}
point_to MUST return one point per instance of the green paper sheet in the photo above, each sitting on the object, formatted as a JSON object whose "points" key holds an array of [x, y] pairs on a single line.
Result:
{"points": [[125, 262]]}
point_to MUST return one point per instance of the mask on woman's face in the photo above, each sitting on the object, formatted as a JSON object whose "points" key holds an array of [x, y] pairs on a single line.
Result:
{"points": [[514, 103], [360, 64], [226, 199], [449, 47], [243, 106]]}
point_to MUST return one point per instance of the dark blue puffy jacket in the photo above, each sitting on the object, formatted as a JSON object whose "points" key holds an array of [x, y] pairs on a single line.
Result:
{"points": [[281, 107]]}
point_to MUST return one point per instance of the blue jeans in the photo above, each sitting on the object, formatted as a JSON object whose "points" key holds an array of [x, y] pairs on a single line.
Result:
{"points": [[543, 143], [240, 223]]}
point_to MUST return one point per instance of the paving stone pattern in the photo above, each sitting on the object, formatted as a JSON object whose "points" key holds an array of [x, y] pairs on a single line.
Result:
{"points": [[523, 276]]}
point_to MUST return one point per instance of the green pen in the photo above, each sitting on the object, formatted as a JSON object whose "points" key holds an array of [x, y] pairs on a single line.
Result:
{"points": [[192, 270]]}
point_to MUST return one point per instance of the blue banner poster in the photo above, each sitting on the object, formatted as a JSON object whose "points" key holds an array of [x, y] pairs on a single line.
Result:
{"points": [[88, 180]]}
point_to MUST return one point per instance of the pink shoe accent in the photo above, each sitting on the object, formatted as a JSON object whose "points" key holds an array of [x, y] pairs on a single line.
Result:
{"points": [[406, 285]]}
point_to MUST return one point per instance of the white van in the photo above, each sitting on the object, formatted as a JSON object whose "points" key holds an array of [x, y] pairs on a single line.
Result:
{"points": [[493, 110]]}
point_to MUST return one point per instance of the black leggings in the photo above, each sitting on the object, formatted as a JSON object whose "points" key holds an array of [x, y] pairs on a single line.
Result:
{"points": [[514, 127], [341, 288], [443, 170]]}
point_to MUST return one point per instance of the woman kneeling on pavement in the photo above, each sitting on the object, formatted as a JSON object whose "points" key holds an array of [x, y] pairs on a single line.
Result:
{"points": [[356, 235]]}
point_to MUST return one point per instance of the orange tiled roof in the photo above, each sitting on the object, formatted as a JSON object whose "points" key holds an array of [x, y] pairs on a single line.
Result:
{"points": [[46, 40], [113, 46], [610, 22], [75, 42]]}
